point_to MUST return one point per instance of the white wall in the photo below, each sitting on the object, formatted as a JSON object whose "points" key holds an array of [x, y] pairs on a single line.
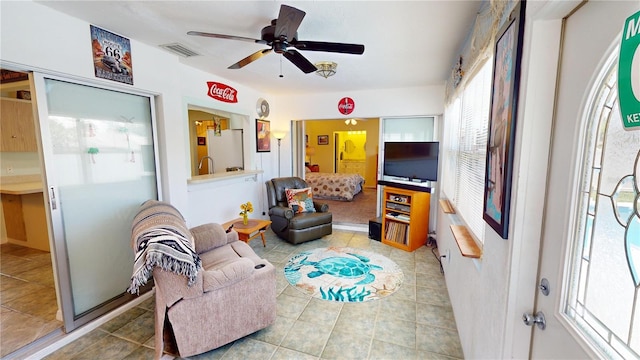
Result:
{"points": [[21, 163]]}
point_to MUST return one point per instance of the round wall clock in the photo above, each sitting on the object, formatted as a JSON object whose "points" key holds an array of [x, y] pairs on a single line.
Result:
{"points": [[262, 108]]}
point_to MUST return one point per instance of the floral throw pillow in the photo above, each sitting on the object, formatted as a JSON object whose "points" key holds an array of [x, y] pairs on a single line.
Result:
{"points": [[300, 200]]}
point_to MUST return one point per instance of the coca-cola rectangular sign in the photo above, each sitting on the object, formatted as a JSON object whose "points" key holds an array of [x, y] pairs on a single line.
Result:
{"points": [[222, 92]]}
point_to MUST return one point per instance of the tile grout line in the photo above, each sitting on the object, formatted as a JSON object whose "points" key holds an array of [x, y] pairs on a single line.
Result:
{"points": [[373, 333]]}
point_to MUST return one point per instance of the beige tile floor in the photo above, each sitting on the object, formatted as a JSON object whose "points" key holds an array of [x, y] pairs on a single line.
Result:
{"points": [[27, 297], [416, 322]]}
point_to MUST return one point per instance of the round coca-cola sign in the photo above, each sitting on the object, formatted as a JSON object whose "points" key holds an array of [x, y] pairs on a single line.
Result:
{"points": [[346, 105]]}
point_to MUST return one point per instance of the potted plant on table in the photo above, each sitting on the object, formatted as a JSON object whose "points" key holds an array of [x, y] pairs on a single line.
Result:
{"points": [[246, 208]]}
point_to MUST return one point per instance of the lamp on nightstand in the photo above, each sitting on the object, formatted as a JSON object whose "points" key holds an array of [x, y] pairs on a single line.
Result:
{"points": [[310, 151]]}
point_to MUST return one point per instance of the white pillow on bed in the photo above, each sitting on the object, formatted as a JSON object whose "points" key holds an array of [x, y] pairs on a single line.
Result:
{"points": [[307, 170]]}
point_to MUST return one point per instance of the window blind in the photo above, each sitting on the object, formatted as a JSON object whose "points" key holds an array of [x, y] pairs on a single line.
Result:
{"points": [[467, 118]]}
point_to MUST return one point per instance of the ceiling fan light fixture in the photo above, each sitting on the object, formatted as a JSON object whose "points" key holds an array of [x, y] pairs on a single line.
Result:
{"points": [[351, 122], [326, 68]]}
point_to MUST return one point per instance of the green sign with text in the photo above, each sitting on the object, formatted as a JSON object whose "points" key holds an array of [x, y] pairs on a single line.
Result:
{"points": [[629, 73]]}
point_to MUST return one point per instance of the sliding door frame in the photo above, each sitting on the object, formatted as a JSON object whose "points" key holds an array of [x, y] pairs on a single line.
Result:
{"points": [[61, 266]]}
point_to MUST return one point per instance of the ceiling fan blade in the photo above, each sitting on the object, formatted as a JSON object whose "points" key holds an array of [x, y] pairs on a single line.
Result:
{"points": [[288, 22], [300, 61], [328, 47], [249, 59], [228, 37]]}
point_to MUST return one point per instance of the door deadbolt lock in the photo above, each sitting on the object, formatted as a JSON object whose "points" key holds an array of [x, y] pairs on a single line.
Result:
{"points": [[544, 287], [537, 319]]}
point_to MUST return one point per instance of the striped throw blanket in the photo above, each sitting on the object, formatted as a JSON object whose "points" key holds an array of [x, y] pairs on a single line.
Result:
{"points": [[160, 237]]}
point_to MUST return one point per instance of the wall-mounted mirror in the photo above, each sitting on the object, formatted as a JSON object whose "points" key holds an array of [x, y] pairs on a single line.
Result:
{"points": [[217, 141], [349, 146]]}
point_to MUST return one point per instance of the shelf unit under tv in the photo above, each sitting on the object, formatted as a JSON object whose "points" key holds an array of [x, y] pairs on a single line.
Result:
{"points": [[405, 215]]}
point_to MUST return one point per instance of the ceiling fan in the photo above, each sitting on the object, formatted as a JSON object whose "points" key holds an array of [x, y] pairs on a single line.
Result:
{"points": [[281, 37]]}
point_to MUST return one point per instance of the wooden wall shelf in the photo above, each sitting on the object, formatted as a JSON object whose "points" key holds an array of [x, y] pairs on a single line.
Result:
{"points": [[447, 207], [466, 244]]}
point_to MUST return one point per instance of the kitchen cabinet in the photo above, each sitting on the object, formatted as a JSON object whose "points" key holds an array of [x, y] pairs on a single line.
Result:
{"points": [[25, 221], [13, 219], [17, 128]]}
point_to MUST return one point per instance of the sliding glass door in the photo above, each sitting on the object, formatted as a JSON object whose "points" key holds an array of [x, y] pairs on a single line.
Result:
{"points": [[100, 165]]}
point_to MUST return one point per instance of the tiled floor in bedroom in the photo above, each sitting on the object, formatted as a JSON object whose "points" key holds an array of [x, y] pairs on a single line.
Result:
{"points": [[415, 323]]}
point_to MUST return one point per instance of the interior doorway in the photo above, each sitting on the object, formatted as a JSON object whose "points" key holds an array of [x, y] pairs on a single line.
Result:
{"points": [[333, 146], [30, 309], [350, 153]]}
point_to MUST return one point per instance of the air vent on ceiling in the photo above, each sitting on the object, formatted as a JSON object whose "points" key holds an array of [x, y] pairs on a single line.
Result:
{"points": [[179, 49]]}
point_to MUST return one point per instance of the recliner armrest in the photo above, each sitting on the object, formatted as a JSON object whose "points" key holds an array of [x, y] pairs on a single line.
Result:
{"points": [[321, 207], [229, 274], [232, 236], [281, 211], [210, 236]]}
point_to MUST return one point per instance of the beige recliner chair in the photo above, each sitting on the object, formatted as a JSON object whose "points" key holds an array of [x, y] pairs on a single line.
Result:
{"points": [[232, 295]]}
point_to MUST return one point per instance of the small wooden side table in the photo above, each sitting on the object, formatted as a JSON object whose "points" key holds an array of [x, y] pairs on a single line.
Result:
{"points": [[247, 232]]}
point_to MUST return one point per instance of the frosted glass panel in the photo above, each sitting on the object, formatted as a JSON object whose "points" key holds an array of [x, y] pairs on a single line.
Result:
{"points": [[408, 129], [104, 168]]}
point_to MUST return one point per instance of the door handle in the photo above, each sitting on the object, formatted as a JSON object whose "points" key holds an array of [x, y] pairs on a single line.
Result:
{"points": [[52, 198], [537, 319]]}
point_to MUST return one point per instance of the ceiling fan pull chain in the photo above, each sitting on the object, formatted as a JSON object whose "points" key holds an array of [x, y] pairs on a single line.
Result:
{"points": [[281, 67]]}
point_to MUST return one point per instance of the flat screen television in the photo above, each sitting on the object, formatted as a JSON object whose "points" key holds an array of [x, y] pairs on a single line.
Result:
{"points": [[413, 161]]}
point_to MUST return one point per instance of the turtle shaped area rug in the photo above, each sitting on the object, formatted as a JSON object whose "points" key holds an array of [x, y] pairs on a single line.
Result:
{"points": [[343, 274]]}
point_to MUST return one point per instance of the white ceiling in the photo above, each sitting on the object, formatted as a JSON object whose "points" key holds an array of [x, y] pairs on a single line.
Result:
{"points": [[407, 43]]}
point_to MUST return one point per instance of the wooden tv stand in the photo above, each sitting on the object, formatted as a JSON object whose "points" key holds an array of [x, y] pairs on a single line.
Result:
{"points": [[405, 217]]}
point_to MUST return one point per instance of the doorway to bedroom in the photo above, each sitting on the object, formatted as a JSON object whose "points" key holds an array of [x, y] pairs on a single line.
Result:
{"points": [[319, 143], [339, 152]]}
